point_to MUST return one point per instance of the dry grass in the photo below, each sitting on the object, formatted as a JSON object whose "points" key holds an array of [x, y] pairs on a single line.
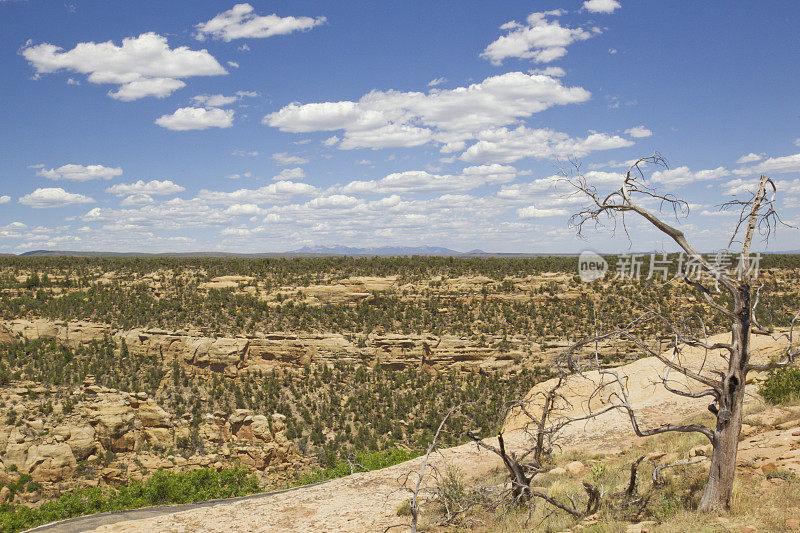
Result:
{"points": [[765, 503]]}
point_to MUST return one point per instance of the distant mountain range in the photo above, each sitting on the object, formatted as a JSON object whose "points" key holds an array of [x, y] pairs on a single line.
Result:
{"points": [[310, 251], [304, 251], [382, 250]]}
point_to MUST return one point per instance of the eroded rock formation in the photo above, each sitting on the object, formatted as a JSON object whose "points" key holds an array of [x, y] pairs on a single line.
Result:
{"points": [[231, 355], [123, 436]]}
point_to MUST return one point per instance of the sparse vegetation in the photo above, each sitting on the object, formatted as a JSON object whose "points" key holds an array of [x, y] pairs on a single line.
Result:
{"points": [[160, 489], [359, 462], [782, 386], [349, 416]]}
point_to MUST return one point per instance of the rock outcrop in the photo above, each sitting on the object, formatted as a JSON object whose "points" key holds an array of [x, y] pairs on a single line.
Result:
{"points": [[230, 355], [72, 334], [121, 436]]}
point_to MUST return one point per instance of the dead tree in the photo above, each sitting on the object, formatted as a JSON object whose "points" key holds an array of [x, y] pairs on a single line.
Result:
{"points": [[414, 502], [521, 489], [542, 428], [730, 294]]}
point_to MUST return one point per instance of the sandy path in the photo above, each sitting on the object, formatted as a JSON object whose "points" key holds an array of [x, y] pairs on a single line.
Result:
{"points": [[368, 501]]}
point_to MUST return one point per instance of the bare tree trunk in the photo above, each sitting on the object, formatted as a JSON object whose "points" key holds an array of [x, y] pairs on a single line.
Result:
{"points": [[728, 388], [719, 488]]}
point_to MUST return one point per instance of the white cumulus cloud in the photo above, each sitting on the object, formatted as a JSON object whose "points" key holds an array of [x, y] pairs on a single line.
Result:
{"points": [[741, 186], [136, 200], [556, 72], [773, 165], [142, 66], [421, 181], [73, 172], [335, 201], [214, 100], [601, 6], [680, 176], [196, 118], [158, 87], [540, 39], [220, 100], [506, 146], [5, 199], [285, 159], [275, 192], [535, 212], [53, 197], [240, 22], [244, 210], [638, 132], [151, 188], [295, 173], [382, 119], [750, 158], [237, 176], [492, 174]]}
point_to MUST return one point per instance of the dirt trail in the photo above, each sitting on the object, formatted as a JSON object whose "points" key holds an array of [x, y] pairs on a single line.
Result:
{"points": [[368, 501]]}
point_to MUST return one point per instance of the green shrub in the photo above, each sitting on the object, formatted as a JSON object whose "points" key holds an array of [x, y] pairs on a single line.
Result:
{"points": [[161, 488], [359, 463], [451, 492], [782, 385], [404, 509]]}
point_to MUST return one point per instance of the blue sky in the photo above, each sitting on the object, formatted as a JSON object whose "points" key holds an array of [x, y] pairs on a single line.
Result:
{"points": [[193, 125]]}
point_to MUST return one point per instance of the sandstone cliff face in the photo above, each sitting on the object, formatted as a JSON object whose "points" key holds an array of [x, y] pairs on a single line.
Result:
{"points": [[110, 436], [72, 334], [124, 422], [230, 355]]}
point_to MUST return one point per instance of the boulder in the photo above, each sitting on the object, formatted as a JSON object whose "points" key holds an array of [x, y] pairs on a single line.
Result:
{"points": [[701, 451], [16, 454], [113, 425], [50, 462], [278, 422], [214, 431], [158, 437], [81, 441], [36, 425], [260, 428], [112, 475], [16, 436], [61, 433], [154, 416], [239, 416], [575, 468]]}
